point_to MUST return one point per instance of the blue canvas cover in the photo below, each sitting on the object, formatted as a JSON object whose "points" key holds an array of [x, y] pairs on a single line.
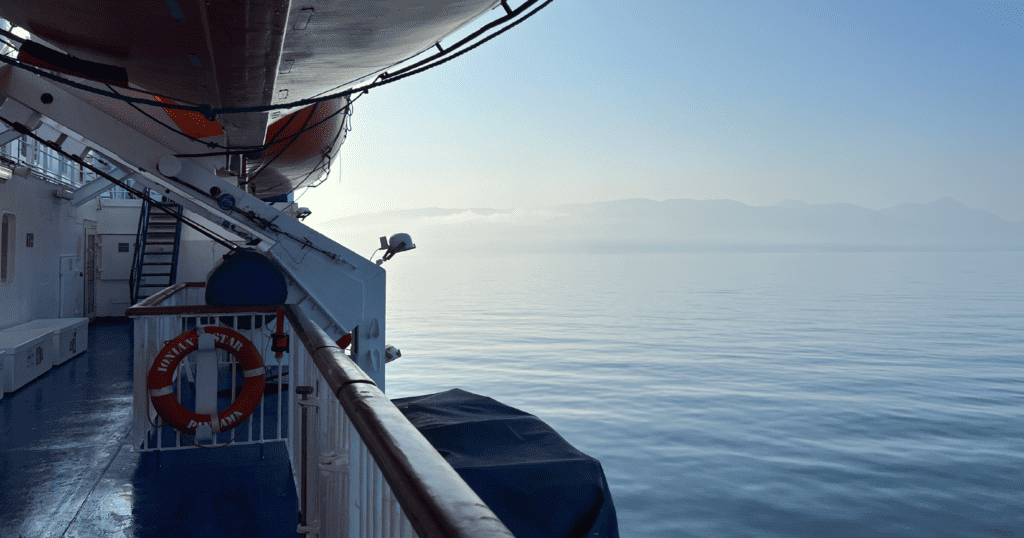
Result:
{"points": [[533, 480], [246, 278]]}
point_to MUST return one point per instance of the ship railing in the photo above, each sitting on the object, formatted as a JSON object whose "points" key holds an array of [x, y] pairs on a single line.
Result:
{"points": [[178, 309], [368, 471], [361, 469]]}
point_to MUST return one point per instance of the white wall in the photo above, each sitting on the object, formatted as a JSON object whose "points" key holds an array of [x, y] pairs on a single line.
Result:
{"points": [[33, 292], [199, 254], [117, 222]]}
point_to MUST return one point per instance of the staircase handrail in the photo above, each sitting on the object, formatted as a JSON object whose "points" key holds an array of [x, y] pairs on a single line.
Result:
{"points": [[140, 240], [177, 245]]}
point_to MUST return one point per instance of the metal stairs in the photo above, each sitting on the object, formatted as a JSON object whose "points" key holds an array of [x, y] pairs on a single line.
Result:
{"points": [[157, 244]]}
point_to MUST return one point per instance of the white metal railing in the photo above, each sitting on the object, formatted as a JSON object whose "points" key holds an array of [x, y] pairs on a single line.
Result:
{"points": [[43, 161], [361, 469], [155, 326], [342, 491]]}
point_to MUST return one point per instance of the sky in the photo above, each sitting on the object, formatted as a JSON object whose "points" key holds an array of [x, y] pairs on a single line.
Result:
{"points": [[872, 103]]}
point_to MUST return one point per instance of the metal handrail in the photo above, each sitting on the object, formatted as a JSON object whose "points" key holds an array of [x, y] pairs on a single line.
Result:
{"points": [[159, 297], [177, 244], [437, 501], [153, 306], [134, 280]]}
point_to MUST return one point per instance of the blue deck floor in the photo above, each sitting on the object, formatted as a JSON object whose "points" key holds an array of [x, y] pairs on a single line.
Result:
{"points": [[66, 469]]}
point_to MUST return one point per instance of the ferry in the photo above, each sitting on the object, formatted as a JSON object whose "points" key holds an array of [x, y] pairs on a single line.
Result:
{"points": [[180, 355]]}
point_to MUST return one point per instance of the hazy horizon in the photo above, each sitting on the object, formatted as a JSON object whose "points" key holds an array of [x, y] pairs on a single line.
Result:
{"points": [[782, 203], [643, 225]]}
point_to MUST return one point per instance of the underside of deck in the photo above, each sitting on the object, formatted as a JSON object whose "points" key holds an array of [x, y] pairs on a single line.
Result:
{"points": [[66, 468]]}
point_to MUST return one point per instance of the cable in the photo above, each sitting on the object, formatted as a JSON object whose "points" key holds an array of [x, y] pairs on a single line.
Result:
{"points": [[245, 150], [326, 156], [296, 200], [511, 14], [168, 127], [124, 185], [273, 141], [210, 112], [289, 144], [11, 35]]}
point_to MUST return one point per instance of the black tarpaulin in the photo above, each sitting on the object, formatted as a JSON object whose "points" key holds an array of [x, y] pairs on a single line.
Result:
{"points": [[532, 478]]}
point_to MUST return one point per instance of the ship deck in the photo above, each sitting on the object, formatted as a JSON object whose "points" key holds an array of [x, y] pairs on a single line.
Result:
{"points": [[67, 470]]}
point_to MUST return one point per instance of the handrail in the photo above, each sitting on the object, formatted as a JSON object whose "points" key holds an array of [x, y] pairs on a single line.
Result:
{"points": [[135, 279], [160, 296], [437, 501], [151, 305], [177, 244]]}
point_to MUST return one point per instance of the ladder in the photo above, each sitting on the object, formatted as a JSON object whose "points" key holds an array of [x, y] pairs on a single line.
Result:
{"points": [[156, 249]]}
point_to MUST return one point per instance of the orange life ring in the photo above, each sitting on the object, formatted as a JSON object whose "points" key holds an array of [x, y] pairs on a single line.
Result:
{"points": [[161, 378]]}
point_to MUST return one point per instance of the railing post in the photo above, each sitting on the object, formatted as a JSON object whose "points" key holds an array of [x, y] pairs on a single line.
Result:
{"points": [[430, 498], [308, 526]]}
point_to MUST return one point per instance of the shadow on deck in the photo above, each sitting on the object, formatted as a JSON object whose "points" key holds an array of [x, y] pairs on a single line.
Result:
{"points": [[66, 469]]}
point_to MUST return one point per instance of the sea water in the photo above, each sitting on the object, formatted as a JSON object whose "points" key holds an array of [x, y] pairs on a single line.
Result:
{"points": [[747, 394]]}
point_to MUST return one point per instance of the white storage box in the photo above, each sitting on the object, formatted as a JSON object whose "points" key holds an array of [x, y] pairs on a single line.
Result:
{"points": [[70, 335], [26, 355]]}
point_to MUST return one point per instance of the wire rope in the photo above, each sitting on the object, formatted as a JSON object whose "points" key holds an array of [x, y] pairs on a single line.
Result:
{"points": [[123, 184], [211, 112]]}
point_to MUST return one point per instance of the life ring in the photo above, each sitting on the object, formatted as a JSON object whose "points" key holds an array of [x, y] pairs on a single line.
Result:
{"points": [[161, 378]]}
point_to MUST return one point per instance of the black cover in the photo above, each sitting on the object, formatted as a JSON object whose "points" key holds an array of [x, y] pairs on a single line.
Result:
{"points": [[533, 480]]}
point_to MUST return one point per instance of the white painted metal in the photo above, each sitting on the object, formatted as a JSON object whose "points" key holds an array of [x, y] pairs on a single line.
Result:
{"points": [[347, 288], [267, 423], [13, 111], [70, 335], [346, 491], [32, 289], [339, 289], [70, 287], [348, 495], [26, 355], [8, 136], [89, 250], [206, 383], [90, 191]]}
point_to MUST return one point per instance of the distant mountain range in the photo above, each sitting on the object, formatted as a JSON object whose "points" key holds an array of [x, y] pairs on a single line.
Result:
{"points": [[640, 225]]}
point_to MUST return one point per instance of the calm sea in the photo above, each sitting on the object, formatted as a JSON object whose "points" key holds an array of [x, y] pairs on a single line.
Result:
{"points": [[747, 394]]}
